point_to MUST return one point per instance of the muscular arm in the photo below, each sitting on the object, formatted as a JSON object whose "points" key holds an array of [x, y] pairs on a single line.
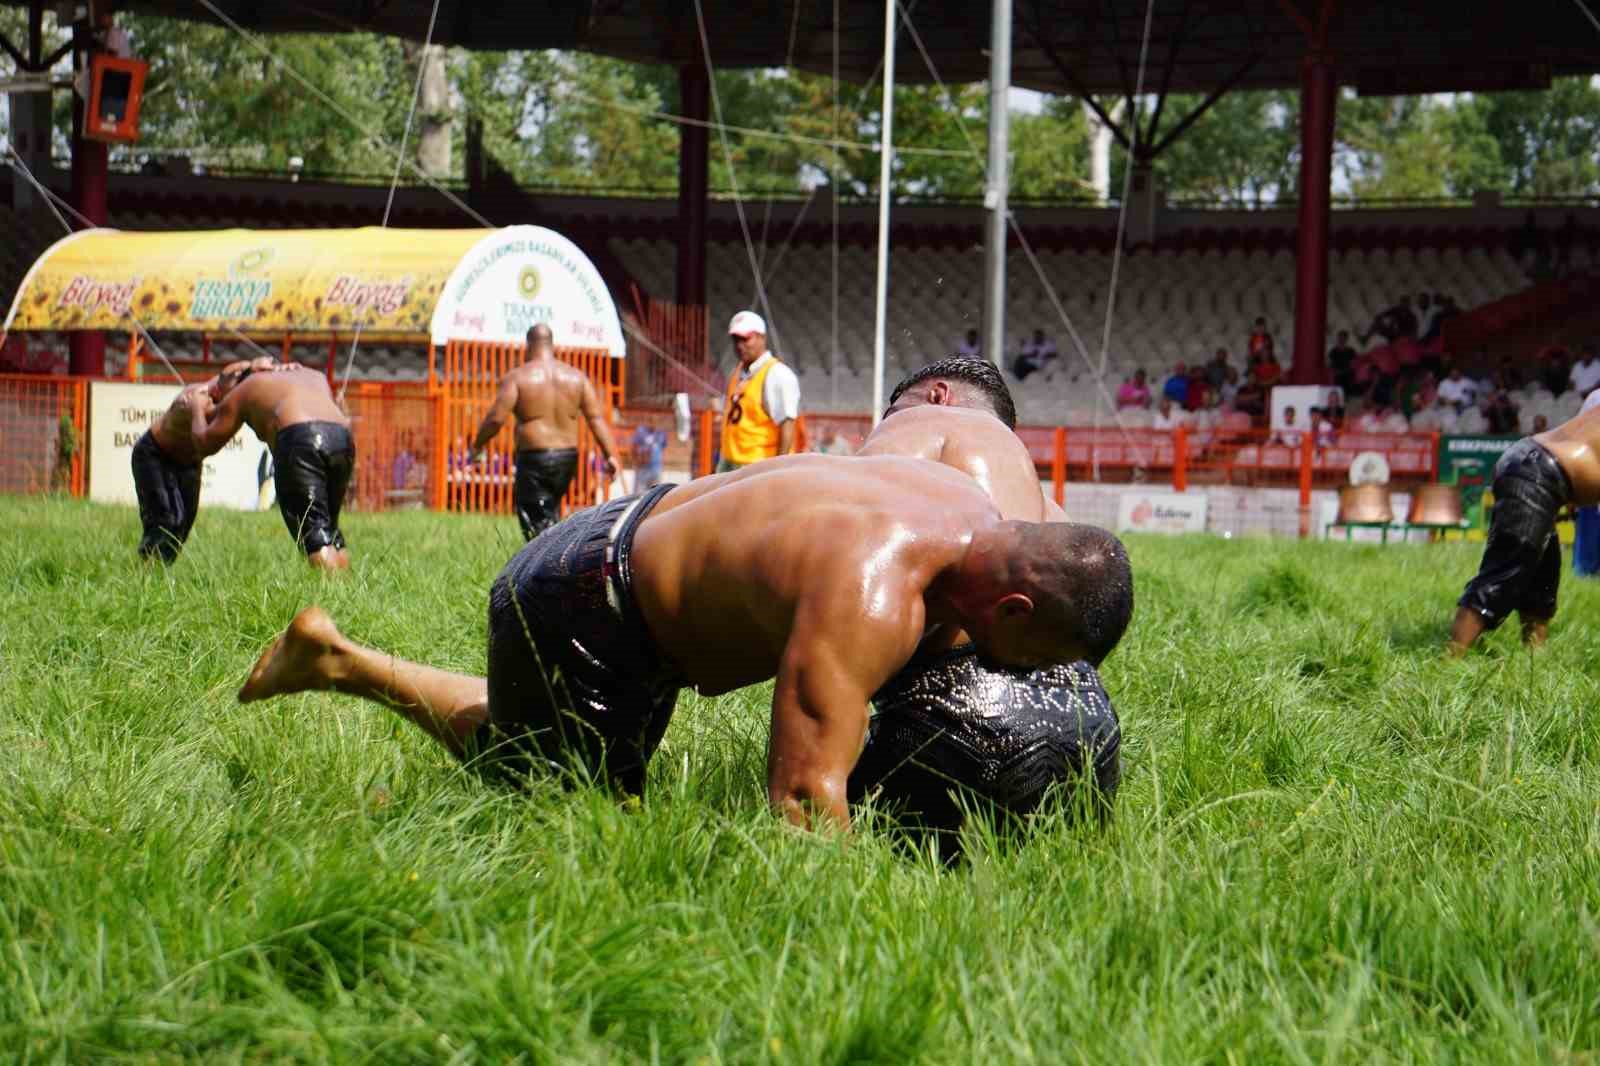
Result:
{"points": [[210, 431], [595, 416], [504, 401], [829, 671]]}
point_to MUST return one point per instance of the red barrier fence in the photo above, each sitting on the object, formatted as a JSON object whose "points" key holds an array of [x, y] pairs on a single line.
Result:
{"points": [[411, 442]]}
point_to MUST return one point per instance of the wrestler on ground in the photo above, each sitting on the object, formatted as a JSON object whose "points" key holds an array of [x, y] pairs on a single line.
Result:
{"points": [[546, 397], [821, 571], [949, 729], [1521, 567], [167, 468], [294, 413]]}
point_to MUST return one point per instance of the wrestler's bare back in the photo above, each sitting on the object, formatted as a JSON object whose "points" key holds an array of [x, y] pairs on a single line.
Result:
{"points": [[269, 402], [549, 404], [820, 559], [172, 429], [1576, 445], [973, 442]]}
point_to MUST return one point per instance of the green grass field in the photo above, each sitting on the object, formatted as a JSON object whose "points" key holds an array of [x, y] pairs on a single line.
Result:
{"points": [[1330, 846]]}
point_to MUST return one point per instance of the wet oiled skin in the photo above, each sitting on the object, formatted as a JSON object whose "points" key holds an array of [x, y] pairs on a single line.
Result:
{"points": [[1573, 443], [172, 429], [548, 405], [270, 401], [817, 563], [971, 441]]}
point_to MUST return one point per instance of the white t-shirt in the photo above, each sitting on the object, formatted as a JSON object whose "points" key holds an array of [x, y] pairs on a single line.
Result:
{"points": [[1461, 390], [780, 392], [1177, 417], [1591, 401], [1395, 422], [1586, 376]]}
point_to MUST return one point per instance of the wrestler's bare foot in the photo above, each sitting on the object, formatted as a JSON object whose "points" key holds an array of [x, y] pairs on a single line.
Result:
{"points": [[298, 661], [329, 558]]}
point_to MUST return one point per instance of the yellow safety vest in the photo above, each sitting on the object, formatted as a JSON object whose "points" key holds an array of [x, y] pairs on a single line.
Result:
{"points": [[748, 433]]}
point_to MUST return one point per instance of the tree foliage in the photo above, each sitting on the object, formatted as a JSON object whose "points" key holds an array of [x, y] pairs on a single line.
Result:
{"points": [[583, 121]]}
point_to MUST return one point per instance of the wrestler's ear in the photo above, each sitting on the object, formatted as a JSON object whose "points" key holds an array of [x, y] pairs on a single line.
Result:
{"points": [[1014, 605], [939, 393]]}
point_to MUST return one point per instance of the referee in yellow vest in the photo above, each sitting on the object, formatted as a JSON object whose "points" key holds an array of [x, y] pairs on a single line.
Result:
{"points": [[763, 401]]}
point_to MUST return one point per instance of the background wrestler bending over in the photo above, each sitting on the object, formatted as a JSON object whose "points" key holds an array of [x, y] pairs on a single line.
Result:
{"points": [[313, 454], [949, 729], [1521, 567], [167, 467], [546, 397], [823, 572]]}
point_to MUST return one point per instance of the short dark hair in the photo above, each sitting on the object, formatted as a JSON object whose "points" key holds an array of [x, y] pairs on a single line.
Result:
{"points": [[1080, 581], [980, 374], [541, 326]]}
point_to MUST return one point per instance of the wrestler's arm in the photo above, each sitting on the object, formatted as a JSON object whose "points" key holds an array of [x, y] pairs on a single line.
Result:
{"points": [[589, 404], [211, 430], [831, 666], [504, 401]]}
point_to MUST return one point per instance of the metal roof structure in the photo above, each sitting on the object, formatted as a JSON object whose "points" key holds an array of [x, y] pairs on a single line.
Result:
{"points": [[1060, 46]]}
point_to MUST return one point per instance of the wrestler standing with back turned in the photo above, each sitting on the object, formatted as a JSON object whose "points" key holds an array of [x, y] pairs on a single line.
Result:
{"points": [[546, 397]]}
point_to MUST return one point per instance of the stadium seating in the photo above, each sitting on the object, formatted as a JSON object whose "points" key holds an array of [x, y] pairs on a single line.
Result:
{"points": [[1169, 307]]}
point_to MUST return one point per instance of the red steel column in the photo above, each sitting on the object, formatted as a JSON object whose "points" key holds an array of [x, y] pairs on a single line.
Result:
{"points": [[694, 145], [90, 164], [1318, 102]]}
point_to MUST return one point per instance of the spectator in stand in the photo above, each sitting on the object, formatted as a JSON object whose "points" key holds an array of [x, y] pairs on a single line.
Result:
{"points": [[1198, 396], [1169, 416], [1557, 370], [1176, 385], [1333, 407], [1418, 393], [1260, 340], [1289, 434], [1500, 413], [1393, 421], [1228, 391], [1458, 390], [1217, 369], [1586, 371], [1268, 371], [1322, 427], [1134, 393], [1393, 323], [1472, 420], [1036, 354], [1341, 360], [969, 346]]}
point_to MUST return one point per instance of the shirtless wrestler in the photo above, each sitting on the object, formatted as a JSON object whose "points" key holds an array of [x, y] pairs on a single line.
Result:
{"points": [[294, 414], [167, 468], [1521, 568], [949, 728], [821, 571], [546, 397]]}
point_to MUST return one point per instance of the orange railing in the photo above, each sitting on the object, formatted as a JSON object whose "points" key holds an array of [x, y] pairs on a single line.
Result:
{"points": [[35, 413], [394, 425]]}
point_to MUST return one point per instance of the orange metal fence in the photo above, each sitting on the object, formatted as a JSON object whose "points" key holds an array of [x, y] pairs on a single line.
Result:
{"points": [[394, 425], [43, 433], [680, 360], [469, 375]]}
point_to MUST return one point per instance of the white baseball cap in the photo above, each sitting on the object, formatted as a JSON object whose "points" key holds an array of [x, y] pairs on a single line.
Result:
{"points": [[745, 323]]}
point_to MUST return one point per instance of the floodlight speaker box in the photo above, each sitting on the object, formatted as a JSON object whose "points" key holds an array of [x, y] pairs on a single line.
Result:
{"points": [[116, 88]]}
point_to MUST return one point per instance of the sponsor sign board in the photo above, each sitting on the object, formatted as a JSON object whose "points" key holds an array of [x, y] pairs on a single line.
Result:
{"points": [[1161, 512], [120, 413]]}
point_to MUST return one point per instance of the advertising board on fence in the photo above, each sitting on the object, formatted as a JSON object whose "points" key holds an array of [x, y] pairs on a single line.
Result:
{"points": [[120, 413], [1468, 462], [1161, 512]]}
